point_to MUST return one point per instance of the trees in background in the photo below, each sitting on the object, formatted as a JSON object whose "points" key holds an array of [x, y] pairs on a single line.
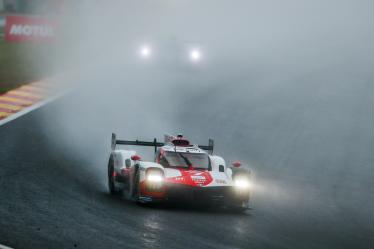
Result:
{"points": [[37, 7]]}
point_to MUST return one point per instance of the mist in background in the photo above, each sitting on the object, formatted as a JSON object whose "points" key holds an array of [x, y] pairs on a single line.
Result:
{"points": [[284, 86]]}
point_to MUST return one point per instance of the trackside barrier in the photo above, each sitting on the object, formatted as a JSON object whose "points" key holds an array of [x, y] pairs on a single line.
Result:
{"points": [[26, 98]]}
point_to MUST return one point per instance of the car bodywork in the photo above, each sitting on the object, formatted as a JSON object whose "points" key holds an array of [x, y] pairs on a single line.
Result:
{"points": [[180, 172]]}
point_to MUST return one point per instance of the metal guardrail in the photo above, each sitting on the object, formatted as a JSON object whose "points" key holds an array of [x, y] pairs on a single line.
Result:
{"points": [[2, 25], [2, 21]]}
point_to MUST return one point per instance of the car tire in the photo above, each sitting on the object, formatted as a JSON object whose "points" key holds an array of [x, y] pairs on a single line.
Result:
{"points": [[136, 191], [239, 208], [111, 185]]}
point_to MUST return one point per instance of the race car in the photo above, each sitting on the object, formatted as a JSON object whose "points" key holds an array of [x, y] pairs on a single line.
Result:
{"points": [[181, 172]]}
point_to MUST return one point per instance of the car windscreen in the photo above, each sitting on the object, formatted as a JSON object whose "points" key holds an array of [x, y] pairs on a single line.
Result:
{"points": [[184, 159]]}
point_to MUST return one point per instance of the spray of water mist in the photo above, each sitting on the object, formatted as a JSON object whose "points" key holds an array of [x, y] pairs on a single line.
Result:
{"points": [[283, 86]]}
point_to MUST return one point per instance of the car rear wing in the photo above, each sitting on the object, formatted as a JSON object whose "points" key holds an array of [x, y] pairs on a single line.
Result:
{"points": [[208, 147], [154, 143]]}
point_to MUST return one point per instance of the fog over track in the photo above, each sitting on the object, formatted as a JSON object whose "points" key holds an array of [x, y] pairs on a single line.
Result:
{"points": [[284, 87], [309, 152]]}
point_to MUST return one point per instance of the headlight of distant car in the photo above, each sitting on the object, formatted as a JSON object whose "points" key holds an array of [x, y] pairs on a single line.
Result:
{"points": [[242, 183], [195, 55], [145, 51]]}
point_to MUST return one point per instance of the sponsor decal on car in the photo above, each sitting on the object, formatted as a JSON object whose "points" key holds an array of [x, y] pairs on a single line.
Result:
{"points": [[192, 178], [221, 181]]}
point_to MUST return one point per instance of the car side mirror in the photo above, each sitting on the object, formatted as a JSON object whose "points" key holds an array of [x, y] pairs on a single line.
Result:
{"points": [[221, 168], [128, 163], [237, 164], [135, 157]]}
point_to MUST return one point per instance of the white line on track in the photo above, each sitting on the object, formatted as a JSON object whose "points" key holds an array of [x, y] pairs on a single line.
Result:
{"points": [[29, 109], [5, 247]]}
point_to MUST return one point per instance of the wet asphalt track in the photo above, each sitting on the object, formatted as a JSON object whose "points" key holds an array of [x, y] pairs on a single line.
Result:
{"points": [[49, 198]]}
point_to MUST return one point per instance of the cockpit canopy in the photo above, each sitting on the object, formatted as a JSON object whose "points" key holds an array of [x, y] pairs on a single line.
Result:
{"points": [[185, 160]]}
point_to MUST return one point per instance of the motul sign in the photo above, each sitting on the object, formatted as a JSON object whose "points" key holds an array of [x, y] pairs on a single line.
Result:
{"points": [[28, 28]]}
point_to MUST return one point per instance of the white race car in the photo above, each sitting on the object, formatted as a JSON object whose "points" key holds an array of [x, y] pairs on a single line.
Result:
{"points": [[180, 172]]}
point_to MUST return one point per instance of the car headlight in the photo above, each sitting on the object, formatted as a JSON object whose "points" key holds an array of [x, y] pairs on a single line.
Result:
{"points": [[195, 55], [242, 183], [145, 52], [154, 177], [154, 180]]}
